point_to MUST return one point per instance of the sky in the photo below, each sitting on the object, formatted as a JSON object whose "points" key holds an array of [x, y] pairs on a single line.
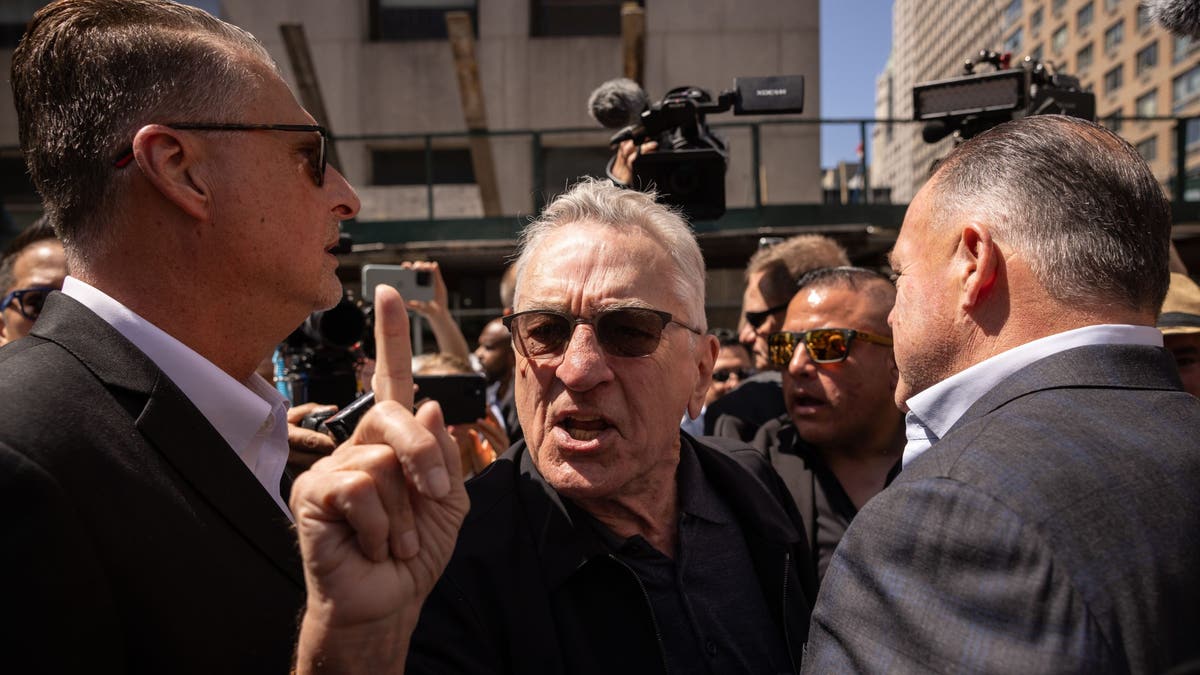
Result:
{"points": [[855, 38]]}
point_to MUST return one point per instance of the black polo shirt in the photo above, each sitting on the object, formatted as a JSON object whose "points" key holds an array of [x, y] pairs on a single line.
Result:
{"points": [[707, 603]]}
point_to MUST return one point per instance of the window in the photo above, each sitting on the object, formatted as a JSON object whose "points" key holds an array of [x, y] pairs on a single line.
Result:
{"points": [[1147, 58], [1183, 46], [1012, 13], [394, 20], [1113, 122], [565, 165], [1057, 6], [1147, 104], [1113, 36], [1111, 5], [1059, 39], [1083, 18], [1013, 43], [562, 18], [1143, 17], [451, 166], [15, 185], [14, 14], [1113, 80], [1191, 133], [1083, 60], [1148, 149], [1186, 88], [1035, 21], [1036, 54]]}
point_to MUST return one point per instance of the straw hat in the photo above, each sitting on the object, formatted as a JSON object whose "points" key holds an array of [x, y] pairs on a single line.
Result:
{"points": [[1181, 310]]}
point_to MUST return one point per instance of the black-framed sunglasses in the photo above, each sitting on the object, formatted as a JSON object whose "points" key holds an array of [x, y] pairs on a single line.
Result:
{"points": [[317, 163], [29, 300], [724, 375], [756, 319], [621, 331], [824, 345]]}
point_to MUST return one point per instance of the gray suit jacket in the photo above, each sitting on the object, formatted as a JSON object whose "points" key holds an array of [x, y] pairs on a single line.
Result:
{"points": [[134, 540], [1055, 528]]}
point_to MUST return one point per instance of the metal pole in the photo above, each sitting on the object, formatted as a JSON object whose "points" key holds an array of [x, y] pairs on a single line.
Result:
{"points": [[756, 158], [429, 173], [1180, 158], [862, 162]]}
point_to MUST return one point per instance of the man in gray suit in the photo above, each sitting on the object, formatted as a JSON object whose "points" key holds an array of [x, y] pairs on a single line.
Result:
{"points": [[1054, 524]]}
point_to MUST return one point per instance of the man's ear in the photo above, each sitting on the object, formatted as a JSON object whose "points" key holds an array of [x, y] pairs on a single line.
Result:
{"points": [[706, 352], [169, 160], [977, 263]]}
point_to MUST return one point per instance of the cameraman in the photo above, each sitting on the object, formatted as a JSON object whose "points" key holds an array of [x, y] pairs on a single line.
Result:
{"points": [[620, 168]]}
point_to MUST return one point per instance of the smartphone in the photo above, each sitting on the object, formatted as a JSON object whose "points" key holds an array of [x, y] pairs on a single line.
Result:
{"points": [[463, 397], [412, 284]]}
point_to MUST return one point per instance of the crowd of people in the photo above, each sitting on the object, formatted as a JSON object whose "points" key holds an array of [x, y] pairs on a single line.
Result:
{"points": [[986, 462]]}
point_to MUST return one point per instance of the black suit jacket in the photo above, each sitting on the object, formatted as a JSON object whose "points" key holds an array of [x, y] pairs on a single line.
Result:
{"points": [[1055, 528], [134, 538]]}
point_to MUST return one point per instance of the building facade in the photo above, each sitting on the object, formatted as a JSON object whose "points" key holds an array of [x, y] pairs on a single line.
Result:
{"points": [[1134, 67]]}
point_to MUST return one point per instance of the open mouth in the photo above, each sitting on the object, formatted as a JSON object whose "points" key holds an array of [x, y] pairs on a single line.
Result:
{"points": [[801, 400], [584, 427]]}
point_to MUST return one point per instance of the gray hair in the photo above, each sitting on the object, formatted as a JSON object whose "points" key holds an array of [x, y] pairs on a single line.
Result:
{"points": [[1075, 198], [89, 73], [598, 201]]}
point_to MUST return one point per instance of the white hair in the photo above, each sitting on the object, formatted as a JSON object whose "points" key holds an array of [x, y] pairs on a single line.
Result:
{"points": [[598, 201]]}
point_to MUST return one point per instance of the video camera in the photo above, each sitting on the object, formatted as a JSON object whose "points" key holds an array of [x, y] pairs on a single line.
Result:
{"points": [[688, 168], [318, 360], [975, 102]]}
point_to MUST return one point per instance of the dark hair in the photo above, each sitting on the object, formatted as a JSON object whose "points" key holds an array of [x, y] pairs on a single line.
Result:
{"points": [[1073, 197], [873, 285], [89, 73], [38, 230]]}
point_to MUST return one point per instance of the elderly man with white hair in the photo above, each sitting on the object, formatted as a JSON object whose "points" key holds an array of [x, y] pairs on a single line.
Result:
{"points": [[607, 541]]}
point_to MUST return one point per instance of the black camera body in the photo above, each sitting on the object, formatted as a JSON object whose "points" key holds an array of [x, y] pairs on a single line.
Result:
{"points": [[688, 168], [967, 106], [320, 357]]}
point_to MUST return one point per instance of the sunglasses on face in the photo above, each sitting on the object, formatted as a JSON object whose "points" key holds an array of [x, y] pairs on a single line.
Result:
{"points": [[724, 375], [756, 319], [318, 161], [624, 331], [824, 345], [29, 301]]}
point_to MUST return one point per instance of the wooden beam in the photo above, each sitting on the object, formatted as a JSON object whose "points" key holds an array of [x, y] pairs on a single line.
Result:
{"points": [[306, 80], [633, 41], [462, 43]]}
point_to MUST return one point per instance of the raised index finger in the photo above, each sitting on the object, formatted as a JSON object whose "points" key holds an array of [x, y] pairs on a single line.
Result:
{"points": [[393, 351]]}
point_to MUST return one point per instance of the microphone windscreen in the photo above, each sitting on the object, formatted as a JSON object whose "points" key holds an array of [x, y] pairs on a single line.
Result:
{"points": [[1181, 17], [617, 103]]}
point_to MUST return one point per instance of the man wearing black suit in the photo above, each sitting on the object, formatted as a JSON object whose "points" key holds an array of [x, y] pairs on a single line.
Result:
{"points": [[1054, 524], [141, 457]]}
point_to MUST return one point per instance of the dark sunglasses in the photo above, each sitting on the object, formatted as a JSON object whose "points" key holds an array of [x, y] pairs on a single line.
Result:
{"points": [[624, 331], [317, 162], [756, 319], [724, 375], [824, 345], [29, 300]]}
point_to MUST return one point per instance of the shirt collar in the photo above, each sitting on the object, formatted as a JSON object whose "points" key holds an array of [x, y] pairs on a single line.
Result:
{"points": [[934, 411], [237, 410]]}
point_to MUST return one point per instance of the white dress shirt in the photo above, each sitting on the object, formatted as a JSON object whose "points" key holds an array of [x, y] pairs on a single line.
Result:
{"points": [[250, 415], [934, 411]]}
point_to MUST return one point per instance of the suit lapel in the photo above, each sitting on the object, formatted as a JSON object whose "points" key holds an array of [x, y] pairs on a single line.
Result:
{"points": [[174, 427]]}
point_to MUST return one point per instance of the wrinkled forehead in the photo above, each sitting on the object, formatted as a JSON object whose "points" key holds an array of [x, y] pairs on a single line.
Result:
{"points": [[598, 265]]}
